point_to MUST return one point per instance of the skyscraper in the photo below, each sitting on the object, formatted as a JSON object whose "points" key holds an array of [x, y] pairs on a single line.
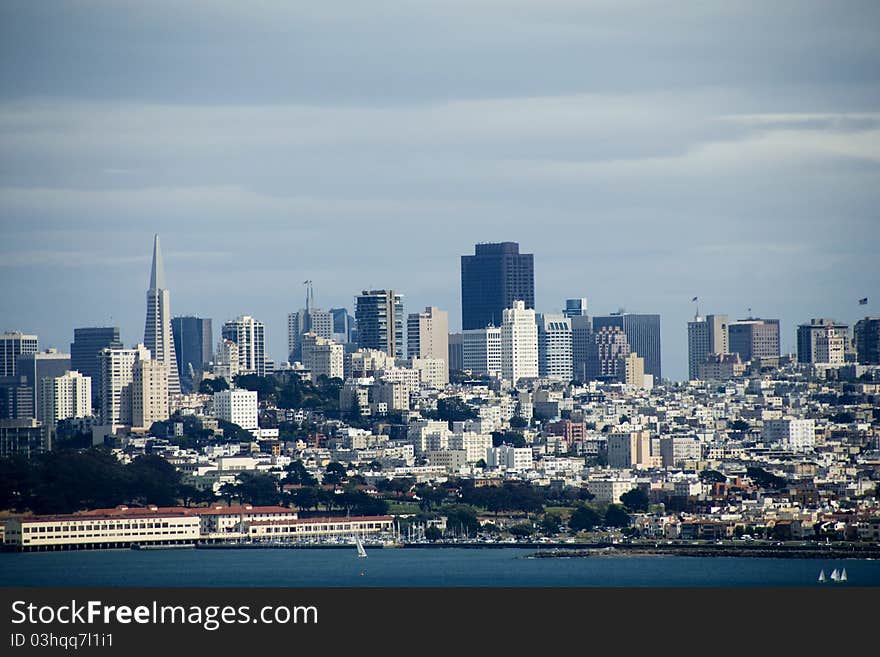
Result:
{"points": [[582, 345], [12, 345], [249, 335], [823, 341], [193, 341], [867, 338], [85, 353], [117, 375], [481, 350], [491, 280], [519, 343], [157, 330], [642, 334], [607, 359], [149, 393], [753, 338], [554, 347], [343, 325], [65, 396], [575, 307], [307, 320], [706, 335], [380, 320], [38, 366], [428, 334]]}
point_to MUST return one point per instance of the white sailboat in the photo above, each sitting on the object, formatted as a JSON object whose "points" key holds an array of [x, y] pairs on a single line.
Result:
{"points": [[835, 575], [822, 575], [360, 547], [843, 575]]}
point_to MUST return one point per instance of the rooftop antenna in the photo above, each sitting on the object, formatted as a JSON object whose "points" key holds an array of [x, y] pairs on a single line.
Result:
{"points": [[696, 301], [310, 295]]}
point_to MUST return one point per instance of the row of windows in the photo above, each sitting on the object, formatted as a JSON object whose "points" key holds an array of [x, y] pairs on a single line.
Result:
{"points": [[118, 525]]}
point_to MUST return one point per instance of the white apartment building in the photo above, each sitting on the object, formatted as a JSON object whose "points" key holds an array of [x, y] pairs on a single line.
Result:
{"points": [[237, 406], [322, 356], [631, 450], [149, 393], [428, 334], [249, 334], [117, 374], [792, 434], [226, 360], [66, 396], [473, 444], [554, 347], [519, 343], [507, 457], [608, 491], [433, 371], [481, 350]]}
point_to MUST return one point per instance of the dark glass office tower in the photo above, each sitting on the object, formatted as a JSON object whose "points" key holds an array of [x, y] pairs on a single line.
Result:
{"points": [[193, 343], [85, 353], [642, 334], [491, 280]]}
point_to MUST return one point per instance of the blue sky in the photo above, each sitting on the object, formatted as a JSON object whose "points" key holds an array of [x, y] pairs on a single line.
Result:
{"points": [[730, 150]]}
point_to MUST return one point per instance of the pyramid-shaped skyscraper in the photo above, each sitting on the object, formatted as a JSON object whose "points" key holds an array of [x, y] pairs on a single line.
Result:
{"points": [[157, 331]]}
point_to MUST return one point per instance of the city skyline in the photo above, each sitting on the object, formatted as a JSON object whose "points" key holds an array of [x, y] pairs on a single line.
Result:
{"points": [[361, 152], [279, 353]]}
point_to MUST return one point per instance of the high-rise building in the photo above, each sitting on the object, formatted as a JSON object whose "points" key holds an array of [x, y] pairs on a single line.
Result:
{"points": [[322, 356], [582, 345], [380, 321], [428, 334], [85, 353], [642, 334], [12, 345], [575, 307], [315, 320], [491, 280], [456, 353], [867, 339], [519, 343], [237, 406], [38, 366], [754, 338], [554, 347], [607, 359], [149, 393], [23, 437], [117, 375], [249, 335], [226, 360], [634, 370], [481, 350], [66, 396], [706, 335], [157, 329], [193, 341], [16, 398], [823, 342], [343, 325]]}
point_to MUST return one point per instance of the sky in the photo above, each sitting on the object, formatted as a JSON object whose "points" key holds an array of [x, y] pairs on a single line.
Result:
{"points": [[645, 152]]}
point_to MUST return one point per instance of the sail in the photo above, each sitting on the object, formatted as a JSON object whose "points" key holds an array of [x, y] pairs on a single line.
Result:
{"points": [[843, 575], [822, 575], [360, 546], [834, 575]]}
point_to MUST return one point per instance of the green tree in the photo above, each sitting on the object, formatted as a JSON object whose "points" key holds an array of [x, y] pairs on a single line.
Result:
{"points": [[712, 477], [616, 516], [550, 523], [298, 475], [210, 386], [153, 480], [334, 473], [522, 530], [518, 422], [433, 534], [258, 489], [739, 425], [584, 518], [454, 409], [461, 519], [635, 500]]}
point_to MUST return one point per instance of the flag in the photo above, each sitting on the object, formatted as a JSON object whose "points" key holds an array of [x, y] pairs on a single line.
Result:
{"points": [[863, 302], [694, 299]]}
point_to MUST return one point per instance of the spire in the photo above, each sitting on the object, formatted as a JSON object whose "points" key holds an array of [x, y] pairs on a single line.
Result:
{"points": [[157, 272]]}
